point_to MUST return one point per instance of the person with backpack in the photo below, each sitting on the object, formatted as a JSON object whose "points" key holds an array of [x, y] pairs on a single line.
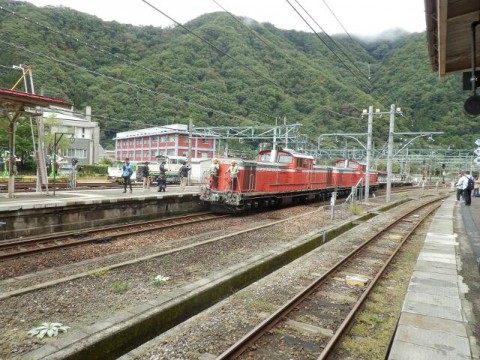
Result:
{"points": [[162, 178], [468, 185], [146, 176]]}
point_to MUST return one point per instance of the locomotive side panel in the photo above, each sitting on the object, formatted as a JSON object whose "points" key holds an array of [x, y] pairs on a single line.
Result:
{"points": [[321, 177], [248, 177]]}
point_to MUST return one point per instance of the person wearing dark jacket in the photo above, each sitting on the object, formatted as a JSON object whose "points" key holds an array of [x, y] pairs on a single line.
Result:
{"points": [[162, 178], [146, 176], [183, 173]]}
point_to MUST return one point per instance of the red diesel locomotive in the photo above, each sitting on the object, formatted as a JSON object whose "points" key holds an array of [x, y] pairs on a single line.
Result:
{"points": [[280, 177]]}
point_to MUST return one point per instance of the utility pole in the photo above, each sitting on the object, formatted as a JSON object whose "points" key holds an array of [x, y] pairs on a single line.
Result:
{"points": [[390, 152], [369, 152], [390, 144], [189, 155]]}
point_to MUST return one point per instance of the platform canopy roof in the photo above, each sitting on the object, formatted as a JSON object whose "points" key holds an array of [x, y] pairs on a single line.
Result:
{"points": [[449, 34], [15, 101]]}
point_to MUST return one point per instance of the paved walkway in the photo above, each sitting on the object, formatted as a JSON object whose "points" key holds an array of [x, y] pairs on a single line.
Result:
{"points": [[437, 319]]}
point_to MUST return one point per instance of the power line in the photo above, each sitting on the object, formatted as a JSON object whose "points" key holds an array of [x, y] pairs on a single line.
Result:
{"points": [[382, 97], [220, 51], [336, 18], [93, 72], [226, 54], [96, 48], [323, 41], [130, 62], [331, 39], [274, 48]]}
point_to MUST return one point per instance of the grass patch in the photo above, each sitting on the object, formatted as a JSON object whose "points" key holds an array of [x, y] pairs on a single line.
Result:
{"points": [[100, 273], [355, 209], [119, 287]]}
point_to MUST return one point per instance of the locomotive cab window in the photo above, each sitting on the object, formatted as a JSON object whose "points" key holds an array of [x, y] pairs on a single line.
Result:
{"points": [[264, 157], [285, 158], [302, 163]]}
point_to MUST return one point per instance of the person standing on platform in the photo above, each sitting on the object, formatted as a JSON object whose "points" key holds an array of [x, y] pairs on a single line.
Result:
{"points": [[459, 187], [162, 178], [146, 176], [214, 169], [126, 174], [467, 185], [233, 170], [183, 173]]}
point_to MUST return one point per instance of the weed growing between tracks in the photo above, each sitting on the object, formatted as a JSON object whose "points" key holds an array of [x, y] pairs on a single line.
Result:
{"points": [[374, 326], [356, 209]]}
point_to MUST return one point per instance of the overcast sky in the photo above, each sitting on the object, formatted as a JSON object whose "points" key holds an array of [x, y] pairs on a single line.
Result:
{"points": [[360, 17]]}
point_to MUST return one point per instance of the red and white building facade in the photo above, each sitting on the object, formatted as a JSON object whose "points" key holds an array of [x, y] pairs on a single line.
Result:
{"points": [[146, 144]]}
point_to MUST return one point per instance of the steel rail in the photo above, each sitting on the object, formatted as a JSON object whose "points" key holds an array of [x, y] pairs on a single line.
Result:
{"points": [[327, 350], [72, 239], [153, 256], [241, 345]]}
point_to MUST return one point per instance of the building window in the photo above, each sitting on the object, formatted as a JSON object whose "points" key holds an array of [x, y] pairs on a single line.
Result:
{"points": [[205, 141], [78, 153]]}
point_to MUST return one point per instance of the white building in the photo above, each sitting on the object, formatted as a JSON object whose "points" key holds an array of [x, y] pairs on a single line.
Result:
{"points": [[86, 147]]}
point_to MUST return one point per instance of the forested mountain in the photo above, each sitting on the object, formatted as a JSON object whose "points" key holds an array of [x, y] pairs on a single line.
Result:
{"points": [[251, 73]]}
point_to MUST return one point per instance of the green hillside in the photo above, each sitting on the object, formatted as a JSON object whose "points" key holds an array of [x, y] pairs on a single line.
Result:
{"points": [[136, 77]]}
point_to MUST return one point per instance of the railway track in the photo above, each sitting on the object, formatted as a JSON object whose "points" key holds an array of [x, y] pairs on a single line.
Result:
{"points": [[311, 323], [27, 246]]}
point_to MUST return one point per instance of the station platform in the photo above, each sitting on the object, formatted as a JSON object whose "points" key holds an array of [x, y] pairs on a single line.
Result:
{"points": [[30, 214], [441, 306], [23, 200]]}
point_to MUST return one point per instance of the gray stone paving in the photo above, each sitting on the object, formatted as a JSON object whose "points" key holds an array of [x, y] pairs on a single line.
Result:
{"points": [[432, 324]]}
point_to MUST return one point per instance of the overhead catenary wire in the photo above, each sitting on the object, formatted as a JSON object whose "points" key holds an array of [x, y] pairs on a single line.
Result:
{"points": [[346, 32], [323, 41], [338, 20], [220, 51], [333, 41], [130, 62], [96, 48], [274, 48], [111, 78], [189, 103]]}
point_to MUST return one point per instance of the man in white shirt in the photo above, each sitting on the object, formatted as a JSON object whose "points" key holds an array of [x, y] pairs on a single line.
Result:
{"points": [[467, 193]]}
